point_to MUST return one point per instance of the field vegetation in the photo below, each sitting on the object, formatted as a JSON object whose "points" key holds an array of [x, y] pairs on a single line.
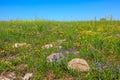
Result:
{"points": [[98, 42]]}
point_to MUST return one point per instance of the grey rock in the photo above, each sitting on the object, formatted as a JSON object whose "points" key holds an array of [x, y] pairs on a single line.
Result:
{"points": [[78, 64]]}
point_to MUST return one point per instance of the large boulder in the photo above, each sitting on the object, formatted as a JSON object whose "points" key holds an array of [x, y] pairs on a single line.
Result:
{"points": [[78, 64]]}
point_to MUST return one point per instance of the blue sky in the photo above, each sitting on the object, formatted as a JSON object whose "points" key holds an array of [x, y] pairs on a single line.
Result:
{"points": [[62, 10]]}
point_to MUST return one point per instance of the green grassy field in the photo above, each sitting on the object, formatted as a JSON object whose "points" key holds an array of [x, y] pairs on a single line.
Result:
{"points": [[98, 42]]}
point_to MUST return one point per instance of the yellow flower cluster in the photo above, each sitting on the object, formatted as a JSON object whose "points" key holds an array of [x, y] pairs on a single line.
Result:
{"points": [[32, 33], [11, 30], [37, 50], [100, 29], [61, 32], [88, 33], [28, 46], [2, 51], [54, 28], [118, 28], [79, 36], [111, 37], [77, 44]]}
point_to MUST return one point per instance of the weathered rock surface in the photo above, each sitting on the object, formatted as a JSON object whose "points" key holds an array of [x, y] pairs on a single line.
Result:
{"points": [[8, 76], [27, 76], [78, 64], [54, 56], [11, 75], [4, 78]]}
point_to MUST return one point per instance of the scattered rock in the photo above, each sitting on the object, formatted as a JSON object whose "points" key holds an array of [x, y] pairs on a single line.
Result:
{"points": [[47, 46], [4, 78], [59, 47], [11, 75], [78, 64], [17, 45], [27, 76], [8, 76], [54, 56]]}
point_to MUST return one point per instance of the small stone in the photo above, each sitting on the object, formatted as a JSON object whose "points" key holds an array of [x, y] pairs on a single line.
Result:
{"points": [[59, 47], [54, 56], [78, 64], [10, 75], [27, 76], [47, 46], [17, 45]]}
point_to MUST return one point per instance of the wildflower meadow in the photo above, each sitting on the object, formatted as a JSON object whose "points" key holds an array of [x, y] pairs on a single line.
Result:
{"points": [[41, 50]]}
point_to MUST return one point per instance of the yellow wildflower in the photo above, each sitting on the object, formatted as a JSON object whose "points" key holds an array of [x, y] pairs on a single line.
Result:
{"points": [[77, 44], [37, 50], [61, 32], [100, 29], [2, 51], [111, 37], [88, 33]]}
